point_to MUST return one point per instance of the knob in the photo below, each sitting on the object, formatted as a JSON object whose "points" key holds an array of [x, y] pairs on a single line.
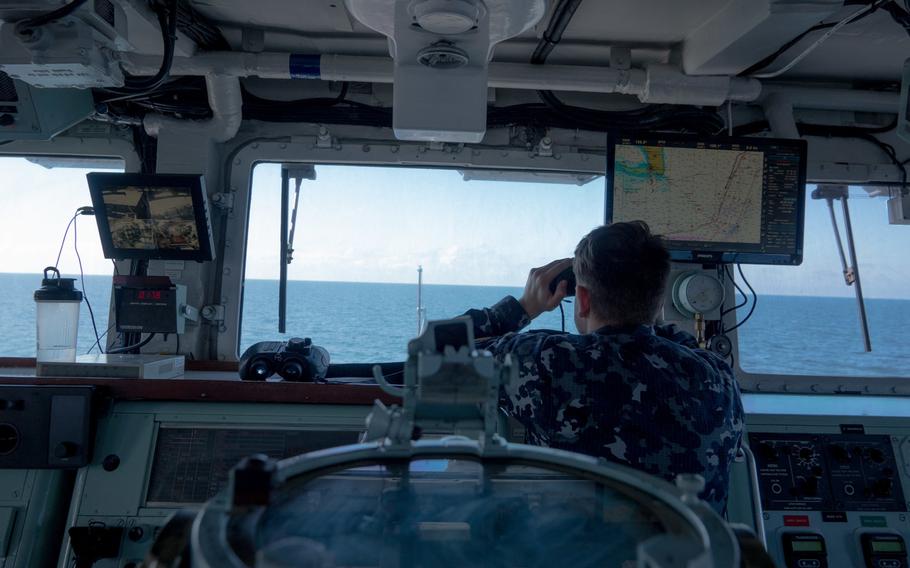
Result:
{"points": [[807, 486], [297, 345], [135, 534], [876, 455], [7, 119], [882, 488], [65, 450], [767, 451], [840, 453], [805, 453]]}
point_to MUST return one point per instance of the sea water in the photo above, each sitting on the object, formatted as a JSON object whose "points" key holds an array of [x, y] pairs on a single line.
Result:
{"points": [[370, 322]]}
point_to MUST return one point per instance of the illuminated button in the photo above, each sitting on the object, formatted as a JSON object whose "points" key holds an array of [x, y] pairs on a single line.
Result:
{"points": [[796, 520], [776, 488], [849, 489]]}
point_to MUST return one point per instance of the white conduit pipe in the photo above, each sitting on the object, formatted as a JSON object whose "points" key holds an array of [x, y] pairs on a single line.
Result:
{"points": [[657, 84], [226, 102], [576, 78]]}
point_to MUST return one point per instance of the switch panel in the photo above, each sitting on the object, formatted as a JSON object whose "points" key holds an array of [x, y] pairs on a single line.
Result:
{"points": [[45, 426], [833, 472]]}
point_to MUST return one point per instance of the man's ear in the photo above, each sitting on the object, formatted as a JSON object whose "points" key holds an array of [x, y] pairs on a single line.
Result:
{"points": [[582, 301]]}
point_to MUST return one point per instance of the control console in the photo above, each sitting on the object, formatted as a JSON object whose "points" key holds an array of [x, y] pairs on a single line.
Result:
{"points": [[153, 459], [45, 433], [833, 498]]}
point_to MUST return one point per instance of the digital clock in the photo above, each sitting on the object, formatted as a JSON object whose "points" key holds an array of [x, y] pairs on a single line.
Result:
{"points": [[148, 295]]}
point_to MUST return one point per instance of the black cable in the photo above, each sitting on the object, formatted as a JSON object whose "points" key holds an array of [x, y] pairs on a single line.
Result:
{"points": [[40, 20], [205, 35], [98, 341], [738, 289], [899, 15], [167, 20], [739, 267], [652, 117], [769, 59], [129, 348], [836, 131], [91, 313], [562, 15], [177, 350], [85, 210], [63, 242], [562, 317]]}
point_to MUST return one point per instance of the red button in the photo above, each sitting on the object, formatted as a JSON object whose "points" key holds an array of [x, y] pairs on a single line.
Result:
{"points": [[796, 521]]}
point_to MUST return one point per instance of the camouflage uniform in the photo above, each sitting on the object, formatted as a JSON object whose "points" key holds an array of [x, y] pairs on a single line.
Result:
{"points": [[641, 396]]}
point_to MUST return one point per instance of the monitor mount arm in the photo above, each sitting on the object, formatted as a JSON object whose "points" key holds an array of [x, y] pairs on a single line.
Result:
{"points": [[830, 193]]}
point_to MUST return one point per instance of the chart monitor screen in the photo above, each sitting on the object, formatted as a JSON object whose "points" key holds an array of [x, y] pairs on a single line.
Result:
{"points": [[152, 216], [713, 200]]}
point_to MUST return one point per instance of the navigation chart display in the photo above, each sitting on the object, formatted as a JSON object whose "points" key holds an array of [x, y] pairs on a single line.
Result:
{"points": [[713, 200]]}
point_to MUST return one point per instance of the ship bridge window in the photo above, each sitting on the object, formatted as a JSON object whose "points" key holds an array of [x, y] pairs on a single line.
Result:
{"points": [[362, 232], [806, 321], [40, 196]]}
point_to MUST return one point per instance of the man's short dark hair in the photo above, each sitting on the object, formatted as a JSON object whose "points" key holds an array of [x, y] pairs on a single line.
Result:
{"points": [[626, 268]]}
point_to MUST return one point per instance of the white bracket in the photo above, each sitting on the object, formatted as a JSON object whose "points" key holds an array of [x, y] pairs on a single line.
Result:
{"points": [[223, 201], [212, 313]]}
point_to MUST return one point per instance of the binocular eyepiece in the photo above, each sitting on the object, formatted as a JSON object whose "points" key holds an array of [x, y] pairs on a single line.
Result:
{"points": [[296, 360]]}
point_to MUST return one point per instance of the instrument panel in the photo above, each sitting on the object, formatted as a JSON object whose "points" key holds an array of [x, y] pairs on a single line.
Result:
{"points": [[154, 459], [834, 491]]}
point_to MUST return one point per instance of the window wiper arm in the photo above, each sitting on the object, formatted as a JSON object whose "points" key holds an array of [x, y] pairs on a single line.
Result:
{"points": [[297, 172], [851, 271]]}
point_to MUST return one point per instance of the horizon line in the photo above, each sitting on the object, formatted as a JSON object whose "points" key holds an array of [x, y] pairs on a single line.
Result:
{"points": [[787, 295]]}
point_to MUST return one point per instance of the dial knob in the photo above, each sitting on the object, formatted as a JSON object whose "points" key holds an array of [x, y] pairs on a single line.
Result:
{"points": [[298, 345], [840, 453], [65, 450]]}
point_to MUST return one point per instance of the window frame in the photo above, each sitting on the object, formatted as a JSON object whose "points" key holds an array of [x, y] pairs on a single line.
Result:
{"points": [[248, 153]]}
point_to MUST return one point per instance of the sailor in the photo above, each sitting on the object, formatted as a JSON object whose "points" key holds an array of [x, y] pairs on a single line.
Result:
{"points": [[625, 389]]}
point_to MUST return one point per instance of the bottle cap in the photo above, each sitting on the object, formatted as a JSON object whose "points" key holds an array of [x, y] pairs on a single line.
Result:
{"points": [[57, 289]]}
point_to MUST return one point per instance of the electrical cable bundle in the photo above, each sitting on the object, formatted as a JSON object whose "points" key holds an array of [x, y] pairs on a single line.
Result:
{"points": [[167, 20], [654, 117], [837, 131]]}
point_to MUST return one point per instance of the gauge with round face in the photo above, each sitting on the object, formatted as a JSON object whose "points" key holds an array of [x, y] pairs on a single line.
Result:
{"points": [[697, 292]]}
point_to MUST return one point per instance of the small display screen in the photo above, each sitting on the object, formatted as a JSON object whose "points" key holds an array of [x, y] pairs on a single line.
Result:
{"points": [[806, 546], [887, 546], [155, 216], [148, 295]]}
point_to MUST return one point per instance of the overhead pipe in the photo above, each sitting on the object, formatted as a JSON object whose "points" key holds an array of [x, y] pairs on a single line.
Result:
{"points": [[657, 83], [226, 102], [651, 85]]}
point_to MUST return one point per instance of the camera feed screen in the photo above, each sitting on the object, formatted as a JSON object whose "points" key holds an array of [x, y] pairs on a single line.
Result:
{"points": [[151, 218]]}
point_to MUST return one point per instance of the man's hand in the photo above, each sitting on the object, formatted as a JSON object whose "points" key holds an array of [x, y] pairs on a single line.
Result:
{"points": [[537, 298]]}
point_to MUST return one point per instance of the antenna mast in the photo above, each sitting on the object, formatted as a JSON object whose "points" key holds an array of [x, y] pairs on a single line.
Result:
{"points": [[421, 311]]}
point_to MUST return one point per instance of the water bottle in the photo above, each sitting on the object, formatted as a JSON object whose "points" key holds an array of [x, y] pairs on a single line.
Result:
{"points": [[57, 303]]}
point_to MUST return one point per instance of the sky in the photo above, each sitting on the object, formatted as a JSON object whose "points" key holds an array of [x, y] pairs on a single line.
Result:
{"points": [[378, 224]]}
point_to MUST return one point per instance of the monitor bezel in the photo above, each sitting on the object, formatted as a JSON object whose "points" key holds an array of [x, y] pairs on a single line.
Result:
{"points": [[99, 182], [719, 255]]}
